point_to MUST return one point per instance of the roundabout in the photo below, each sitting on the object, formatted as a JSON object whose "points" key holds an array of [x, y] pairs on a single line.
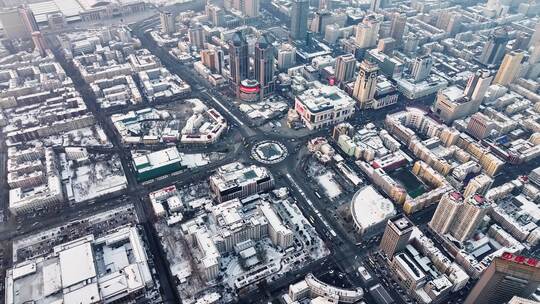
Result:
{"points": [[269, 152]]}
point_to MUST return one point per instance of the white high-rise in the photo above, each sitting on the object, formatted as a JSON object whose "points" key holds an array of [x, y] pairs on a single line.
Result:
{"points": [[477, 86], [367, 32], [168, 25], [421, 67], [286, 56]]}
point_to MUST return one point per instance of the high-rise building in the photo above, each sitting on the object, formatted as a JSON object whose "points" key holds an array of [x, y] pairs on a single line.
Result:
{"points": [[196, 36], [454, 24], [28, 19], [317, 23], [213, 59], [286, 56], [446, 211], [459, 217], [495, 47], [376, 5], [396, 235], [477, 87], [473, 210], [13, 26], [322, 18], [264, 64], [421, 67], [386, 45], [450, 21], [345, 66], [510, 68], [367, 32], [521, 42], [535, 38], [251, 8], [507, 276], [479, 184], [215, 14], [324, 4], [39, 43], [366, 84], [168, 25], [410, 43], [238, 58], [299, 19], [397, 27], [219, 61]]}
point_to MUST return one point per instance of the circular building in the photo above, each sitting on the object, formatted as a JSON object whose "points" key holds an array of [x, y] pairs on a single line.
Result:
{"points": [[249, 90], [370, 211]]}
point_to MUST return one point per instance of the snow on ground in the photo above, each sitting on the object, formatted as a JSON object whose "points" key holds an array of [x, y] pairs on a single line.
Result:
{"points": [[85, 137], [97, 179], [100, 223], [180, 260], [331, 187], [195, 160]]}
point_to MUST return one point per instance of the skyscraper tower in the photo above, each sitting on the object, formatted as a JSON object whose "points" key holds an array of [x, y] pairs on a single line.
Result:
{"points": [[286, 56], [396, 235], [495, 47], [12, 24], [473, 210], [168, 25], [477, 87], [375, 5], [238, 59], [459, 217], [299, 19], [264, 64], [521, 42], [366, 84], [410, 43], [215, 14], [39, 43], [345, 65], [509, 68], [397, 27], [421, 67], [367, 32], [28, 19], [251, 8], [196, 36], [508, 275], [446, 211], [219, 61], [535, 38]]}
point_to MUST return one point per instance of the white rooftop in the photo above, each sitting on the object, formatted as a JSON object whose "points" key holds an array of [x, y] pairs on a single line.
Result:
{"points": [[77, 264], [369, 208]]}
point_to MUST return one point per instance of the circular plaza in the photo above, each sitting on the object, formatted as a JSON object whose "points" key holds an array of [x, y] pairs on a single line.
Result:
{"points": [[269, 152]]}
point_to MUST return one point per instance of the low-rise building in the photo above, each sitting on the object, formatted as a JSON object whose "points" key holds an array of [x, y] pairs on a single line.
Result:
{"points": [[155, 164], [238, 181], [370, 211], [109, 269], [323, 106]]}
